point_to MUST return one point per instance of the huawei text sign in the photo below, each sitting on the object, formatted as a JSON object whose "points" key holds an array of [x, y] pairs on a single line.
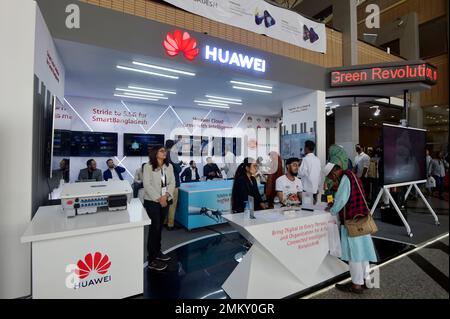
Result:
{"points": [[424, 72]]}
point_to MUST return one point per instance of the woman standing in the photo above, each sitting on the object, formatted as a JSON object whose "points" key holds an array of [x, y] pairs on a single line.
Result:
{"points": [[348, 202], [159, 187], [245, 185]]}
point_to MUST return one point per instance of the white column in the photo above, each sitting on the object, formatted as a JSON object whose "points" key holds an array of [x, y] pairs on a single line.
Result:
{"points": [[17, 38], [346, 123]]}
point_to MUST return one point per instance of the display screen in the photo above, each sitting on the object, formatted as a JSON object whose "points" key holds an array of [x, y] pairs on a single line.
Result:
{"points": [[293, 145], [90, 144], [61, 143], [403, 155], [138, 144]]}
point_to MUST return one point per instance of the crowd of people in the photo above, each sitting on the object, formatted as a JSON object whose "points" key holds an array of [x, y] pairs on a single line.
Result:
{"points": [[352, 185]]}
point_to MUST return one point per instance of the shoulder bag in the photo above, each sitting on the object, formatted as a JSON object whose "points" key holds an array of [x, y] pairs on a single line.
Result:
{"points": [[360, 225]]}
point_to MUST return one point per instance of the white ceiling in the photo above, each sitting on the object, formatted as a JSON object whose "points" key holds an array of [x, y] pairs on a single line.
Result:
{"points": [[91, 72]]}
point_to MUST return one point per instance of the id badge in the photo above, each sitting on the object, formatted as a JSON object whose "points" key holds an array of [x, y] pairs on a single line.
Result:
{"points": [[163, 191]]}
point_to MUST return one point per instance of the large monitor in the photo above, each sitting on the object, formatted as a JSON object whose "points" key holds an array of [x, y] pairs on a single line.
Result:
{"points": [[293, 145], [61, 143], [138, 144], [90, 144], [403, 155]]}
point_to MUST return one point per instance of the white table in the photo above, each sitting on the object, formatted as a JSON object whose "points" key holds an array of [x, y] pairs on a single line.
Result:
{"points": [[110, 244], [289, 254]]}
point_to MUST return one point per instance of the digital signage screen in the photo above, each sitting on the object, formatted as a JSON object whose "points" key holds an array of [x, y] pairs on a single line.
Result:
{"points": [[138, 144], [90, 144], [403, 155]]}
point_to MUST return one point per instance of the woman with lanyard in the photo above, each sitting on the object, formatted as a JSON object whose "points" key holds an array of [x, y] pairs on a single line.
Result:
{"points": [[159, 186], [245, 185]]}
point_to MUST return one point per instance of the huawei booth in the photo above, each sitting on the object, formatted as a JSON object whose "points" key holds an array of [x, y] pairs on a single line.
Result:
{"points": [[111, 97]]}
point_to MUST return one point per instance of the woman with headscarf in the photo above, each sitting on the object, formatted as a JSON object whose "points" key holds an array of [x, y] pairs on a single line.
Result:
{"points": [[338, 156]]}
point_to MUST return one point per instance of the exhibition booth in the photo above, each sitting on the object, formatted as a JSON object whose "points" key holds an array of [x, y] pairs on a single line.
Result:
{"points": [[111, 97]]}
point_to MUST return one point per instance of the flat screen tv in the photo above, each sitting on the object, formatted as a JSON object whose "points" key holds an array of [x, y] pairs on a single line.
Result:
{"points": [[403, 155], [61, 143], [138, 144], [91, 144]]}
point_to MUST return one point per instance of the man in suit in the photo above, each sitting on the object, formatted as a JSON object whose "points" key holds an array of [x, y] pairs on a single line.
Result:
{"points": [[91, 173], [190, 174], [211, 170], [113, 172]]}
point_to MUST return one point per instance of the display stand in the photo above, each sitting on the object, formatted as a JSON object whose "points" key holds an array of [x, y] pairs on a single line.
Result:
{"points": [[385, 190]]}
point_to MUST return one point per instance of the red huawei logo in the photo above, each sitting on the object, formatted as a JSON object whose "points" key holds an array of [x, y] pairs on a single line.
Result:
{"points": [[181, 42], [98, 263]]}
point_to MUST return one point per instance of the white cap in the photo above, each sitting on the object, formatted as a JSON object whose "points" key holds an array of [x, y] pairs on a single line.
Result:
{"points": [[328, 168]]}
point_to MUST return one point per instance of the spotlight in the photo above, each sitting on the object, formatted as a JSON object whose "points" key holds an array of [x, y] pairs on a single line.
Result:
{"points": [[330, 112]]}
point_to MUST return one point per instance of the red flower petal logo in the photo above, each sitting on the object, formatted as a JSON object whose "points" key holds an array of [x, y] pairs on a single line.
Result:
{"points": [[181, 42], [98, 262]]}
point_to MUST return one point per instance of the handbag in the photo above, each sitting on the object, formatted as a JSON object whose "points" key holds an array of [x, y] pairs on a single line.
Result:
{"points": [[361, 224], [431, 182]]}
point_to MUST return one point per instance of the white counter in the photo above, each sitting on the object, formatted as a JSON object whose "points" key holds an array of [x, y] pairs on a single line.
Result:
{"points": [[88, 256], [50, 222], [289, 253]]}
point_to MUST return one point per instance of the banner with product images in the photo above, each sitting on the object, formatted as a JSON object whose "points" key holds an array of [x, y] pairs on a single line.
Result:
{"points": [[263, 18]]}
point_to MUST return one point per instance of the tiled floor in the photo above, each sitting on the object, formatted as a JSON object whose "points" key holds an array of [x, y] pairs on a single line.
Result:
{"points": [[199, 268]]}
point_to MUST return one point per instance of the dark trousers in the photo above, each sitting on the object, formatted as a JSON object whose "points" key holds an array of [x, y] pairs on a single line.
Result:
{"points": [[157, 214], [439, 184], [136, 188], [366, 185]]}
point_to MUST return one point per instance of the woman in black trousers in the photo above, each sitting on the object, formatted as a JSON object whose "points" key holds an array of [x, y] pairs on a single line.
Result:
{"points": [[159, 186]]}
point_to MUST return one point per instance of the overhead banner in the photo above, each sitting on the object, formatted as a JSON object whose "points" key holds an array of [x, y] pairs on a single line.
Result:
{"points": [[261, 17]]}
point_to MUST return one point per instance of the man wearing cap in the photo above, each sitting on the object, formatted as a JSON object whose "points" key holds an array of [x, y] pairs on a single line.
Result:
{"points": [[349, 201]]}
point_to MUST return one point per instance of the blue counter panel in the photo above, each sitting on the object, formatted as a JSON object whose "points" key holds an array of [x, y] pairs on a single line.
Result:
{"points": [[202, 204]]}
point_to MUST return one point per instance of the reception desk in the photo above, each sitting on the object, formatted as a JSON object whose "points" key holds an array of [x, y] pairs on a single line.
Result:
{"points": [[289, 254], [203, 204], [88, 256]]}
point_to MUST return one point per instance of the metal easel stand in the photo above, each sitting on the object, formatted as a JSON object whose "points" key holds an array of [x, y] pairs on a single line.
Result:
{"points": [[385, 190]]}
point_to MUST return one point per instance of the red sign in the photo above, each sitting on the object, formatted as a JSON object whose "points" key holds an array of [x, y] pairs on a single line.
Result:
{"points": [[424, 72], [99, 263], [181, 42]]}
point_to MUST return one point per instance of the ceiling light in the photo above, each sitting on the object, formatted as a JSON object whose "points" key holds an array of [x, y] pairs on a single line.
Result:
{"points": [[215, 106], [249, 89], [328, 102], [140, 92], [144, 95], [335, 106], [377, 112], [436, 106], [253, 85], [151, 90], [135, 97], [223, 98], [163, 68], [222, 101], [330, 112], [212, 103], [147, 72]]}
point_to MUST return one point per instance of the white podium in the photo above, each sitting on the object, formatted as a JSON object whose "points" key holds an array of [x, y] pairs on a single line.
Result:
{"points": [[89, 256], [289, 254]]}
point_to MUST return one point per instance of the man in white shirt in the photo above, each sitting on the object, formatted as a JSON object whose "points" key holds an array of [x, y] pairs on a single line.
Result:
{"points": [[310, 170], [362, 162], [289, 187]]}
